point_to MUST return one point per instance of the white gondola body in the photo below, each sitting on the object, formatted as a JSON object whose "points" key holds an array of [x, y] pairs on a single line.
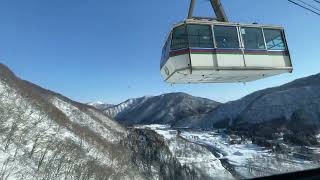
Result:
{"points": [[223, 65]]}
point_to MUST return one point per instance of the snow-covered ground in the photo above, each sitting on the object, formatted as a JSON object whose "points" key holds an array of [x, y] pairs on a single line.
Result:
{"points": [[214, 154], [101, 125], [190, 154], [249, 160]]}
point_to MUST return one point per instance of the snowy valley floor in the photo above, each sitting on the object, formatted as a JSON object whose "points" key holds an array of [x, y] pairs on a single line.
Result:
{"points": [[219, 156]]}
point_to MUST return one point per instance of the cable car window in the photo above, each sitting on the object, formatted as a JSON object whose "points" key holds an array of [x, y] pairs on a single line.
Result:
{"points": [[252, 38], [274, 39], [168, 45], [164, 50], [179, 38], [165, 53], [226, 36], [200, 36]]}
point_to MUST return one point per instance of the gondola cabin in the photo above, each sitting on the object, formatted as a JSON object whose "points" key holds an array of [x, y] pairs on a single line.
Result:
{"points": [[209, 51]]}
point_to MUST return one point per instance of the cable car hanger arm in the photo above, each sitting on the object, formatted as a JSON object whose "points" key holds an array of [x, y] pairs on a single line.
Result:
{"points": [[217, 8]]}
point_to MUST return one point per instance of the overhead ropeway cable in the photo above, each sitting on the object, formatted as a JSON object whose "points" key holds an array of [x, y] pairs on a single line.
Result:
{"points": [[309, 5], [310, 8], [316, 1]]}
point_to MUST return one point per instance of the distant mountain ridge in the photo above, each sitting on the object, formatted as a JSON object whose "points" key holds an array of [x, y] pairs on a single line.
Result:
{"points": [[268, 104], [292, 109], [182, 110], [125, 106], [164, 109], [115, 110], [100, 105]]}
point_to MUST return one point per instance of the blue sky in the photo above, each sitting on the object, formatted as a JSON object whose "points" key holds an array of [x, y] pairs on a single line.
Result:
{"points": [[110, 50]]}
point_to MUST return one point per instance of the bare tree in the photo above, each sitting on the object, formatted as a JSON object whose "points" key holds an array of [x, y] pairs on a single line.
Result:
{"points": [[10, 135], [42, 157]]}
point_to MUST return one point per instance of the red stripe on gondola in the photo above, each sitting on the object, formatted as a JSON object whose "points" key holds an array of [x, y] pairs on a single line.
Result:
{"points": [[203, 50], [231, 51], [181, 52], [278, 52], [258, 52]]}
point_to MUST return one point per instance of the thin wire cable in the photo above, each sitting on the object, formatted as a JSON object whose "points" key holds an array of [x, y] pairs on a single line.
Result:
{"points": [[306, 8], [309, 5], [317, 1]]}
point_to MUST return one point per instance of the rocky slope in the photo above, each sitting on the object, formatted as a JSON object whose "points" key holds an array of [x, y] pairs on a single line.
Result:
{"points": [[163, 109], [45, 135]]}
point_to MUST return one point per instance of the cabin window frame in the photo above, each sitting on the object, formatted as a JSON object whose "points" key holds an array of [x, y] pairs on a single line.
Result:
{"points": [[283, 38], [166, 50], [241, 44], [211, 36], [243, 39], [172, 38], [215, 39]]}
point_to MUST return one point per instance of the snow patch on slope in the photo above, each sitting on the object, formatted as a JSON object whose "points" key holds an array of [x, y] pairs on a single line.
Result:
{"points": [[189, 154], [83, 119], [219, 158], [249, 160], [123, 107], [96, 103]]}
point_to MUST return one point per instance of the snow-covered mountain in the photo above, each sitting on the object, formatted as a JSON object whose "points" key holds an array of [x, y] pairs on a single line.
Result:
{"points": [[294, 106], [100, 105], [114, 110], [223, 156], [290, 109], [125, 106], [44, 135], [164, 109]]}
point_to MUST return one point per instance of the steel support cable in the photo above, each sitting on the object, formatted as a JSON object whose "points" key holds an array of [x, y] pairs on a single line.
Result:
{"points": [[191, 8], [309, 5], [219, 10], [306, 8], [316, 1], [216, 6]]}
